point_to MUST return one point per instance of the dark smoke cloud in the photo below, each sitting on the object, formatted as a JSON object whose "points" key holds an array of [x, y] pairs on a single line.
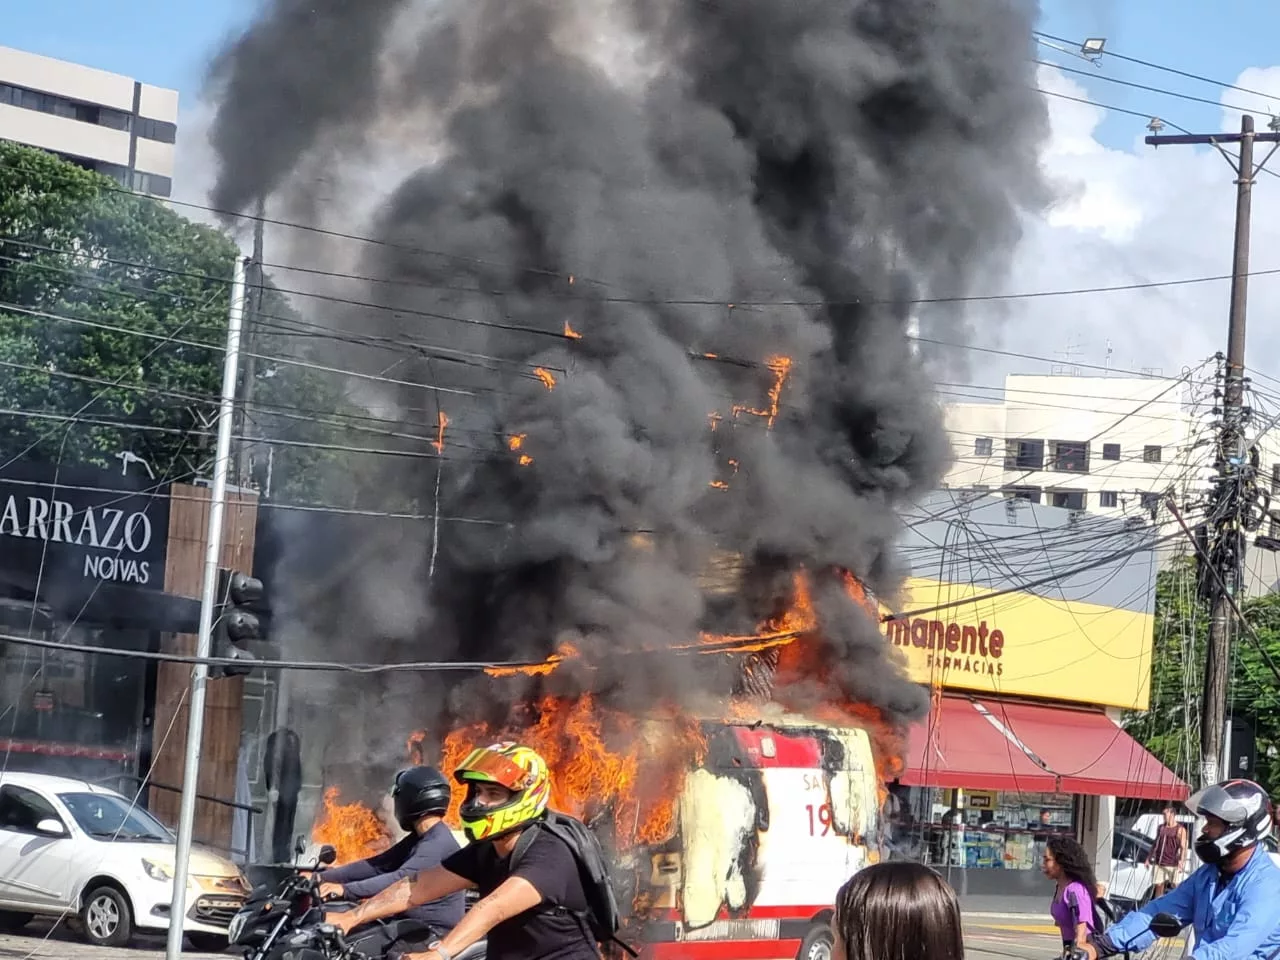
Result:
{"points": [[837, 159]]}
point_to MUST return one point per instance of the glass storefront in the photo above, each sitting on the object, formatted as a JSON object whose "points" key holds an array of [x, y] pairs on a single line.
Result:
{"points": [[975, 829], [67, 712]]}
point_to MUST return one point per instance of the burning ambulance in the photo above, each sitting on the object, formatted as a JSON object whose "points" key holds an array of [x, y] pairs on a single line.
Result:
{"points": [[771, 822], [730, 828]]}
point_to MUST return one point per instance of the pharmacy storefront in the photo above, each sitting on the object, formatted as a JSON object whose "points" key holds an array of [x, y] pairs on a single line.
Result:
{"points": [[1034, 635]]}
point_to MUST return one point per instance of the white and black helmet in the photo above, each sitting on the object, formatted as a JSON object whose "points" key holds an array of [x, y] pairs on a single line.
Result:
{"points": [[1243, 805]]}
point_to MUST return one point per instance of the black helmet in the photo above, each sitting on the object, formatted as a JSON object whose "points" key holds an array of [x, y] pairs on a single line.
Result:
{"points": [[419, 792], [1245, 808]]}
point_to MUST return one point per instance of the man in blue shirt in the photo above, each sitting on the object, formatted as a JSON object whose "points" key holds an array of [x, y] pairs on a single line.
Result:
{"points": [[1233, 900], [421, 796]]}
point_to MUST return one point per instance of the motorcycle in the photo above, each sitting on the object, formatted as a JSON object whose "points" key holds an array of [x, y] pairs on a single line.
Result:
{"points": [[288, 923], [261, 925], [1163, 925]]}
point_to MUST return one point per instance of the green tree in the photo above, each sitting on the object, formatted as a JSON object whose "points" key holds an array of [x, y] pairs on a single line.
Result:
{"points": [[1171, 728], [113, 314], [107, 299]]}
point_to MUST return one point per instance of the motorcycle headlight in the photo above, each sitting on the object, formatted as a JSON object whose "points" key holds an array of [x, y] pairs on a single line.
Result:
{"points": [[237, 927], [157, 871]]}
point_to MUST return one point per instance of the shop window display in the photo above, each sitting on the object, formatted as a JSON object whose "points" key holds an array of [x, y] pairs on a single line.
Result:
{"points": [[976, 830]]}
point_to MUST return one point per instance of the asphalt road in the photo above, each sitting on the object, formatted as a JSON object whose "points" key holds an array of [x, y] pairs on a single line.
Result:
{"points": [[986, 938], [1010, 938], [41, 940]]}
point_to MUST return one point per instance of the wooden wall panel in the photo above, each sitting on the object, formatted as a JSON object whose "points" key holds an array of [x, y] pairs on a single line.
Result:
{"points": [[220, 746]]}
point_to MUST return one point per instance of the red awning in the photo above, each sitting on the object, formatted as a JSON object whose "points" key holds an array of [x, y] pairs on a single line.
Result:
{"points": [[1088, 751], [994, 745], [958, 747]]}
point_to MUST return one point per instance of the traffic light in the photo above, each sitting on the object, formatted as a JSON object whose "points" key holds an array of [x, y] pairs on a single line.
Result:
{"points": [[235, 622]]}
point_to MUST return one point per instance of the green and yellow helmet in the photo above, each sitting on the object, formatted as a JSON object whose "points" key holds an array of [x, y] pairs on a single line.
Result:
{"points": [[519, 769]]}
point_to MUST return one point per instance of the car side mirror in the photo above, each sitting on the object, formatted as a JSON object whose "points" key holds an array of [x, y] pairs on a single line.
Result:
{"points": [[1165, 926], [327, 855], [50, 827]]}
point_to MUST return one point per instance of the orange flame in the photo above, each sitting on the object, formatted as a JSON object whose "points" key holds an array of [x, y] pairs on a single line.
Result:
{"points": [[525, 460], [353, 830], [545, 375], [442, 421], [414, 748], [719, 485], [781, 367], [600, 759], [537, 669], [571, 333], [516, 442]]}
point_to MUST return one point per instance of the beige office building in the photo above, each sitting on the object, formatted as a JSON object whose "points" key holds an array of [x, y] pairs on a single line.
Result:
{"points": [[102, 121]]}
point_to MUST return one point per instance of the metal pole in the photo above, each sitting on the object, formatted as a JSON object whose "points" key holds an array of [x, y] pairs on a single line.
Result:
{"points": [[212, 556], [254, 280], [1217, 664]]}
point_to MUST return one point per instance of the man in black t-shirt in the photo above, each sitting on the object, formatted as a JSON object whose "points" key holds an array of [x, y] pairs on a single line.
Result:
{"points": [[533, 912]]}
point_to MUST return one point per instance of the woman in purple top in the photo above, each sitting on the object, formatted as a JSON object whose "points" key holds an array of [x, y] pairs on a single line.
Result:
{"points": [[1067, 865]]}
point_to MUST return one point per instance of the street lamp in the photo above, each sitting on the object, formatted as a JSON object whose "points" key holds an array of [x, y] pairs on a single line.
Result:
{"points": [[1091, 49]]}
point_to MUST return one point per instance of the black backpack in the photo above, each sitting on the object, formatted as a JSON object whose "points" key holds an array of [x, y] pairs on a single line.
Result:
{"points": [[602, 916]]}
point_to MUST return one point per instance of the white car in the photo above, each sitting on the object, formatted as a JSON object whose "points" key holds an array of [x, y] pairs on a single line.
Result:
{"points": [[73, 849], [1132, 880]]}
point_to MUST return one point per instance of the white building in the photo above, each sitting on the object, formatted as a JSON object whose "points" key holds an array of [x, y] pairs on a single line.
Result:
{"points": [[1107, 445], [118, 126]]}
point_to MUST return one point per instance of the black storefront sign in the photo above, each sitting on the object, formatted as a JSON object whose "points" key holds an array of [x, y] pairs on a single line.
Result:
{"points": [[75, 538]]}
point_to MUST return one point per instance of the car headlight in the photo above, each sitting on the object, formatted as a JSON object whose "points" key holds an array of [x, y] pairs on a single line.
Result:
{"points": [[157, 871], [237, 927]]}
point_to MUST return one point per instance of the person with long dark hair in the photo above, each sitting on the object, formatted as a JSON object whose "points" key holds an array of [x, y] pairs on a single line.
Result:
{"points": [[897, 911], [1074, 905]]}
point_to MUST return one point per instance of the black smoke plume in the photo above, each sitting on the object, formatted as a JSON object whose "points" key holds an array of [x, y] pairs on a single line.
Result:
{"points": [[649, 202]]}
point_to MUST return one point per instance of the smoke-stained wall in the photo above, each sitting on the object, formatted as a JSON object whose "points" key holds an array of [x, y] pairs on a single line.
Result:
{"points": [[611, 235]]}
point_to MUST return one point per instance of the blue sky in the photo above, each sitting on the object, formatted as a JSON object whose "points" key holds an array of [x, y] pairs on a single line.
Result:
{"points": [[169, 42], [1191, 35]]}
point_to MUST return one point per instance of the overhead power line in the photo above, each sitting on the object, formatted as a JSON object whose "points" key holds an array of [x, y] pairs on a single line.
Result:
{"points": [[1111, 54]]}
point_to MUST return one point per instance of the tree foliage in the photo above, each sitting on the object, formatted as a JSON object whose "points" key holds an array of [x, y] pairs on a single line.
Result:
{"points": [[113, 316], [1171, 728]]}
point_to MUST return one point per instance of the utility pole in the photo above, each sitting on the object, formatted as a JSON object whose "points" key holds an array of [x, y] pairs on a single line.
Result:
{"points": [[1226, 534], [204, 641], [254, 278]]}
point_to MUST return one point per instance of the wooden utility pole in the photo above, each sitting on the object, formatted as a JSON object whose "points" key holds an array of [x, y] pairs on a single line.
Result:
{"points": [[1226, 532]]}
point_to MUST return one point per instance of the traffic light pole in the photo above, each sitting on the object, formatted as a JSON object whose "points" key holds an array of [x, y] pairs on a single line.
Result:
{"points": [[200, 674], [1232, 454]]}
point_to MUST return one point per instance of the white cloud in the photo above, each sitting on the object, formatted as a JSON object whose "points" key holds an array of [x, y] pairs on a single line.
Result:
{"points": [[1137, 215]]}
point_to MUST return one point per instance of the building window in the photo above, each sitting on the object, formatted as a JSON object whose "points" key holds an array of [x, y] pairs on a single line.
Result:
{"points": [[1151, 454], [161, 131], [1071, 456], [1024, 454], [1107, 498], [1111, 451], [982, 447], [1031, 494], [151, 183], [66, 107], [1068, 499], [1150, 500]]}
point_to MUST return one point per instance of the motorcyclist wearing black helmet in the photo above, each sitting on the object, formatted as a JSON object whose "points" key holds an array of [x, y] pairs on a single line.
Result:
{"points": [[421, 796], [1232, 900]]}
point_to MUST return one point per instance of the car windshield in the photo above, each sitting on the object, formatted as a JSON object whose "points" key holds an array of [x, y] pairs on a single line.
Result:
{"points": [[108, 817]]}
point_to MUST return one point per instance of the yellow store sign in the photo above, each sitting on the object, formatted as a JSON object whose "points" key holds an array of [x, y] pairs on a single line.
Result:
{"points": [[1020, 643]]}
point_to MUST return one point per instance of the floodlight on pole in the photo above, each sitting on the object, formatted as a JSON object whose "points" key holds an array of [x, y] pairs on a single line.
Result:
{"points": [[1084, 52]]}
